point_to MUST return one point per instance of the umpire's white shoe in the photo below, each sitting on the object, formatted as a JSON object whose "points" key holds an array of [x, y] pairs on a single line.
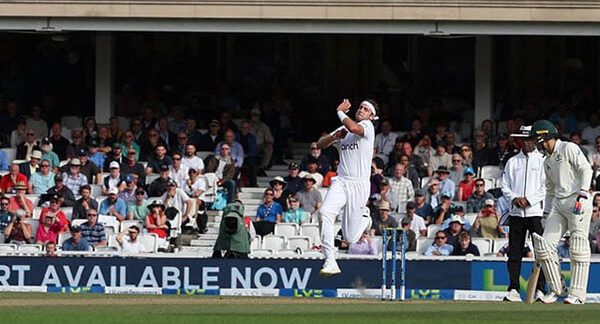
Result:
{"points": [[513, 296], [549, 298], [367, 216], [330, 268], [573, 300]]}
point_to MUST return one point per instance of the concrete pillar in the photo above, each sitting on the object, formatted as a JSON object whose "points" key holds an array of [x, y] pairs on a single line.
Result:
{"points": [[104, 77], [483, 78]]}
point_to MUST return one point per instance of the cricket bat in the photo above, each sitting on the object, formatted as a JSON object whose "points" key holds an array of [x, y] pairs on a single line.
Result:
{"points": [[532, 283]]}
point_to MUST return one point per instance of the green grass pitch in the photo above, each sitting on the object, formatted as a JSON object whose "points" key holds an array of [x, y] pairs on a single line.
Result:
{"points": [[92, 308]]}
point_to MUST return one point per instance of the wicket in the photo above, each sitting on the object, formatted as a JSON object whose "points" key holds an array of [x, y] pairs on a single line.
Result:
{"points": [[384, 265]]}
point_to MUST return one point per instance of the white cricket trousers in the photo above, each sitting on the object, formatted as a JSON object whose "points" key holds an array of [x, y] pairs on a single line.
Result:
{"points": [[350, 197]]}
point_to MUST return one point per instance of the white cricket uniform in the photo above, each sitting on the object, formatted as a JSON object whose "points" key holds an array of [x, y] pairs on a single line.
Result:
{"points": [[349, 191]]}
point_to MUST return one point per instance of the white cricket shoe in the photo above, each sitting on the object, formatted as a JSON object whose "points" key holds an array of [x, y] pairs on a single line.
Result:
{"points": [[573, 300], [538, 295], [330, 268], [367, 216], [513, 296], [549, 298]]}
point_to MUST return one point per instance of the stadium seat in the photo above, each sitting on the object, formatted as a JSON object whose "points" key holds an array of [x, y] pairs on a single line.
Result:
{"points": [[299, 242], [34, 198], [286, 229], [96, 191], [7, 248], [204, 154], [490, 183], [288, 254], [68, 212], [310, 254], [150, 242], [255, 243], [490, 172], [128, 223], [11, 153], [109, 220], [35, 223], [424, 182], [432, 229], [63, 163], [378, 241], [31, 248], [484, 245], [151, 177], [37, 211], [422, 244], [462, 204], [312, 231], [110, 229], [112, 240], [62, 237], [273, 242], [78, 222], [471, 217], [498, 244], [262, 253]]}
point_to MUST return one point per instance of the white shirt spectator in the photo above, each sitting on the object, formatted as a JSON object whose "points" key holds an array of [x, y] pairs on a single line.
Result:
{"points": [[384, 144], [132, 247], [180, 176], [193, 162], [178, 201], [417, 225]]}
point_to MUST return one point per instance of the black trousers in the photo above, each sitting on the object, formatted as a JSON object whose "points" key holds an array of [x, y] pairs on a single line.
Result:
{"points": [[516, 242]]}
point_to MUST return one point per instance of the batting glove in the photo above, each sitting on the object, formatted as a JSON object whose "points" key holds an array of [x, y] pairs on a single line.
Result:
{"points": [[578, 208]]}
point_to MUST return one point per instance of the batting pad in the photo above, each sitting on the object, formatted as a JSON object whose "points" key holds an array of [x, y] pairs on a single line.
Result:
{"points": [[580, 264], [548, 260]]}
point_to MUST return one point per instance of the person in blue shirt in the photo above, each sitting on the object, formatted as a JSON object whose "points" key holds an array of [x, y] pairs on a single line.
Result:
{"points": [[114, 206], [76, 242], [268, 214], [95, 155], [439, 246], [4, 163]]}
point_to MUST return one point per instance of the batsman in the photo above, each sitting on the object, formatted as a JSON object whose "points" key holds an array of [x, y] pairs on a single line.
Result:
{"points": [[569, 207]]}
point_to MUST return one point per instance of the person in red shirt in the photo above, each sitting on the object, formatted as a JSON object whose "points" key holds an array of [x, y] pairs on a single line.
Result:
{"points": [[19, 201], [48, 231], [54, 210], [156, 220], [330, 174], [13, 177], [467, 185]]}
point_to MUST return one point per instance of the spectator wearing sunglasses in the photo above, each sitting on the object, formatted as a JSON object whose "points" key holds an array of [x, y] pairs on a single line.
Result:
{"points": [[439, 246], [476, 201]]}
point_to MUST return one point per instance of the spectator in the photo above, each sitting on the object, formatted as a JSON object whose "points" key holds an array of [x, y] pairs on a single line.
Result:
{"points": [[156, 220], [128, 194], [168, 137], [476, 201], [455, 227], [159, 159], [384, 220], [90, 128], [248, 142], [48, 154], [295, 214], [309, 197], [482, 154], [115, 129], [441, 157], [590, 132], [594, 158], [9, 121], [128, 145], [331, 173], [439, 247], [54, 210], [193, 136], [5, 216], [131, 244], [465, 246], [85, 203], [505, 249], [414, 135], [460, 213], [401, 189], [159, 186], [264, 140], [208, 142], [467, 154], [76, 242], [114, 155], [423, 209], [487, 224], [31, 167], [446, 185], [466, 187], [194, 187], [177, 171], [563, 249], [27, 147], [268, 214], [280, 194], [411, 171], [451, 146], [445, 209], [19, 201], [503, 151], [76, 145], [223, 167], [457, 170], [377, 167], [190, 159], [59, 142], [114, 180], [50, 249], [106, 143], [425, 151], [138, 209], [88, 169], [48, 230], [182, 140], [293, 180], [236, 150], [411, 236], [13, 177], [137, 129], [18, 231], [66, 197], [433, 193], [36, 123], [113, 206], [149, 145], [417, 223], [4, 162], [312, 169], [95, 155], [365, 245], [18, 135], [385, 141], [394, 156], [132, 166], [321, 160], [74, 179], [176, 198], [415, 160], [92, 231]]}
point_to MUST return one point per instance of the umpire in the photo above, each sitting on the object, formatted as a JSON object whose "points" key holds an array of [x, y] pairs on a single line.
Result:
{"points": [[523, 184]]}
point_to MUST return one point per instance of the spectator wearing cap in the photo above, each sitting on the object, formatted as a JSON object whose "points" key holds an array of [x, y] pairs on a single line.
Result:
{"points": [[208, 142], [115, 179], [95, 155], [384, 193], [445, 209], [411, 235], [236, 149], [383, 220], [113, 205], [76, 242], [132, 166], [487, 224], [331, 173], [417, 223], [115, 154], [223, 167], [385, 140], [280, 194], [76, 145], [248, 142], [365, 245], [312, 169], [138, 209], [74, 179], [460, 212], [156, 220], [176, 198], [268, 214], [433, 193], [128, 194], [128, 240], [159, 186], [467, 185], [59, 142], [36, 123], [128, 143], [47, 154], [190, 159], [18, 231], [476, 201], [53, 210], [465, 245], [446, 185], [66, 196], [293, 180], [48, 230], [31, 167], [401, 189], [178, 171], [321, 160], [264, 139], [457, 170], [441, 157], [295, 214], [503, 151], [423, 208], [89, 169], [85, 203], [20, 201], [455, 227], [13, 177], [159, 159], [309, 197], [24, 149], [92, 231]]}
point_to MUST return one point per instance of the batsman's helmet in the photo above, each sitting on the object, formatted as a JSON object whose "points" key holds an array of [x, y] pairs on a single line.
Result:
{"points": [[543, 130]]}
